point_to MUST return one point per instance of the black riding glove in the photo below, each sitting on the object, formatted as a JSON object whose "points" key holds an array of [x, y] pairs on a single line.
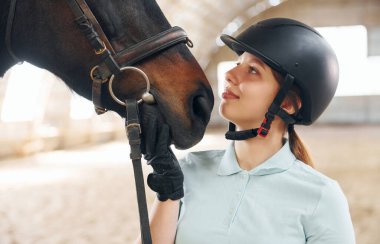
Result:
{"points": [[167, 177]]}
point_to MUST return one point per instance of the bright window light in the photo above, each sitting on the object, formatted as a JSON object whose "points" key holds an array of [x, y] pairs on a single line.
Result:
{"points": [[26, 92], [81, 108], [357, 71], [24, 96], [274, 2]]}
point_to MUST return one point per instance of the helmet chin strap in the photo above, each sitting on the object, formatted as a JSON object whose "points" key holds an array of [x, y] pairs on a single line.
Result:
{"points": [[232, 134], [274, 109]]}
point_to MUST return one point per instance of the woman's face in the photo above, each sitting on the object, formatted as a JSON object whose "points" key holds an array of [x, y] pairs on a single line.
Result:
{"points": [[250, 88]]}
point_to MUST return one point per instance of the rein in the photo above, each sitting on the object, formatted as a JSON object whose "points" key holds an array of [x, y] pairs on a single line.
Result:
{"points": [[111, 65]]}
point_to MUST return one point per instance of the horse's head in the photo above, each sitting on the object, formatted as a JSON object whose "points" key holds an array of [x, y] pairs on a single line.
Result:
{"points": [[53, 41]]}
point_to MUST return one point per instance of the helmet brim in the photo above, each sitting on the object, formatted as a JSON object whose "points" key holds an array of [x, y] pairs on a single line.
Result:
{"points": [[240, 47]]}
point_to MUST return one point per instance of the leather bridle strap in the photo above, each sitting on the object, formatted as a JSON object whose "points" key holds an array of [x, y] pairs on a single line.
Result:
{"points": [[101, 45], [8, 31], [153, 45], [88, 13], [133, 128], [83, 14], [87, 27], [97, 40]]}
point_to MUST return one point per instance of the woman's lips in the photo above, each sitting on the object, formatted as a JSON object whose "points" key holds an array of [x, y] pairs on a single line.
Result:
{"points": [[229, 95]]}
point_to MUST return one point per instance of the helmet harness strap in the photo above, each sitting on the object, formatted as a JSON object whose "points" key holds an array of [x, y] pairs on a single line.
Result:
{"points": [[274, 109]]}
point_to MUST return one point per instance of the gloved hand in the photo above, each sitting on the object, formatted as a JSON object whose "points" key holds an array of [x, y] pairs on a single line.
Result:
{"points": [[167, 177]]}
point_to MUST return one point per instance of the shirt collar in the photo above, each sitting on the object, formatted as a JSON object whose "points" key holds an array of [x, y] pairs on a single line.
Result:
{"points": [[279, 162]]}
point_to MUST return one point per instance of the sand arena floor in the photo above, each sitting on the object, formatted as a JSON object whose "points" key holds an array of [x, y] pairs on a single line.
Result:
{"points": [[87, 195]]}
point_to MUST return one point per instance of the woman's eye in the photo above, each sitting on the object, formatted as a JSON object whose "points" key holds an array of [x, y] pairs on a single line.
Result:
{"points": [[252, 70]]}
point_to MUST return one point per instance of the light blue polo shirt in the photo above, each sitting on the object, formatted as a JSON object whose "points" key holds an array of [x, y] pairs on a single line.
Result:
{"points": [[281, 201]]}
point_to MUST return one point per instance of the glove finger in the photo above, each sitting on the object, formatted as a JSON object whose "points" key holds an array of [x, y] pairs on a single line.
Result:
{"points": [[174, 158], [154, 182], [150, 136], [159, 183], [163, 139], [165, 183]]}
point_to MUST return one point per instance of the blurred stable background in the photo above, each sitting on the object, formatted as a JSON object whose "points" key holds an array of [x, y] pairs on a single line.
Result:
{"points": [[65, 174]]}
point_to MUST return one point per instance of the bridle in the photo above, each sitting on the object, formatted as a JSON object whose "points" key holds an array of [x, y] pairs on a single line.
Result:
{"points": [[108, 68], [110, 64]]}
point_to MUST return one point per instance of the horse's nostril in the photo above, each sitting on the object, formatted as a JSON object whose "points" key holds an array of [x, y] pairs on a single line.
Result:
{"points": [[202, 108]]}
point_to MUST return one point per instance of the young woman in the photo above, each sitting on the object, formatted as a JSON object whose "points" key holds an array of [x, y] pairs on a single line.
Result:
{"points": [[262, 189]]}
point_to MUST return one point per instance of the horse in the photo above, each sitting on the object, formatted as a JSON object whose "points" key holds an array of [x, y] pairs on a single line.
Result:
{"points": [[44, 33]]}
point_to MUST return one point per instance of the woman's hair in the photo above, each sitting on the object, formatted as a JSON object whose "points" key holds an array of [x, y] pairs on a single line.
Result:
{"points": [[297, 147]]}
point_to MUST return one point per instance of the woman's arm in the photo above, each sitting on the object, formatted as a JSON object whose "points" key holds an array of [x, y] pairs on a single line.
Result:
{"points": [[163, 221]]}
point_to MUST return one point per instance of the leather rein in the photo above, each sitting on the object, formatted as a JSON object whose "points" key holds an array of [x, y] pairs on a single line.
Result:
{"points": [[110, 67]]}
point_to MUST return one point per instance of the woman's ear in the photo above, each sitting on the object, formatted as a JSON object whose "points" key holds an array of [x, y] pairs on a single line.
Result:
{"points": [[291, 104]]}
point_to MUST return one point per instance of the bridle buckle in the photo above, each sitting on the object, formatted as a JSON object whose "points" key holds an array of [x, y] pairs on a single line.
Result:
{"points": [[134, 125], [101, 50]]}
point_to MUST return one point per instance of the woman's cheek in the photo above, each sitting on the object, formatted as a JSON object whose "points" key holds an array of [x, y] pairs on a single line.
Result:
{"points": [[254, 106]]}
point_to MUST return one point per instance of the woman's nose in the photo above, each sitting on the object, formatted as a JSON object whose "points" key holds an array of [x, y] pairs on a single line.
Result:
{"points": [[231, 76]]}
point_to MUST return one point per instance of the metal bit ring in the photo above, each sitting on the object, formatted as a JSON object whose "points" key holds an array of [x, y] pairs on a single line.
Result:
{"points": [[146, 97]]}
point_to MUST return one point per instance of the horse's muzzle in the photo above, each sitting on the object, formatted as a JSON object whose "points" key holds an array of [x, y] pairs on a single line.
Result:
{"points": [[201, 108]]}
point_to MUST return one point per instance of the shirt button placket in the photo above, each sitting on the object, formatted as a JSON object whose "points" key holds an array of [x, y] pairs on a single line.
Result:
{"points": [[244, 179]]}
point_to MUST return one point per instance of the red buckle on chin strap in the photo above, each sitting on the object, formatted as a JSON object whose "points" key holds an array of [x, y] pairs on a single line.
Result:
{"points": [[263, 131]]}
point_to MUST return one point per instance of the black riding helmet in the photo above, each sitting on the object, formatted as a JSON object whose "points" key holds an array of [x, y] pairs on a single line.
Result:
{"points": [[302, 56]]}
